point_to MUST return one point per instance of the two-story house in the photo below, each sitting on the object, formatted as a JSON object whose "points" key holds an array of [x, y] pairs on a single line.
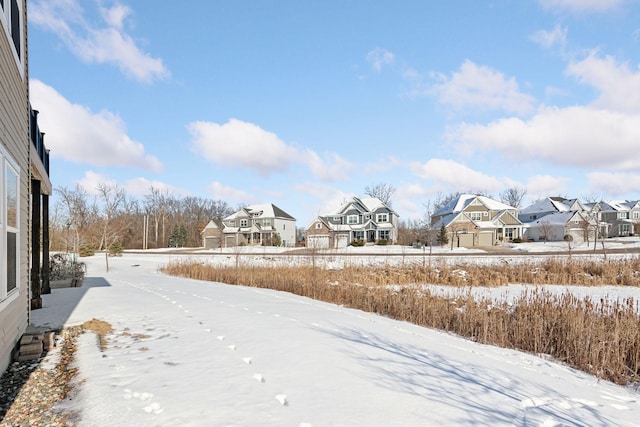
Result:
{"points": [[621, 216], [24, 186], [367, 219], [471, 220], [263, 224]]}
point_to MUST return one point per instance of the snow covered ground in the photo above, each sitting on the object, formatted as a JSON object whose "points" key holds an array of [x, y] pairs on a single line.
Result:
{"points": [[192, 353]]}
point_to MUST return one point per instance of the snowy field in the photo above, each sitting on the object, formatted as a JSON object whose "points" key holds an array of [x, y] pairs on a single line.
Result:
{"points": [[193, 353]]}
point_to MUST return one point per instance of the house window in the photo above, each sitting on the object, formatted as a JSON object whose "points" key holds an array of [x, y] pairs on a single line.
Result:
{"points": [[532, 217], [244, 223], [9, 227], [11, 18], [622, 215], [352, 219], [624, 229], [266, 221], [384, 234], [636, 215], [476, 216], [508, 233], [383, 217], [318, 226], [358, 235]]}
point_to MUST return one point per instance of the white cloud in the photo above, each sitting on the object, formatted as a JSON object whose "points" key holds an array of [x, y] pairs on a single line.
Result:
{"points": [[613, 184], [242, 144], [379, 57], [331, 167], [75, 133], [456, 176], [92, 180], [109, 43], [576, 136], [138, 187], [554, 38], [142, 186], [582, 5], [618, 84], [483, 88], [410, 199], [540, 186], [238, 143], [326, 197], [232, 195]]}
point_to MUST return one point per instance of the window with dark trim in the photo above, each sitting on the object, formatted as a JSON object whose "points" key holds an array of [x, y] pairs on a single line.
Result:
{"points": [[15, 25]]}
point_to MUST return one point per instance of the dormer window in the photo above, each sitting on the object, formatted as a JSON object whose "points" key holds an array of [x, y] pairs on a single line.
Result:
{"points": [[382, 217], [244, 223], [352, 219], [475, 216]]}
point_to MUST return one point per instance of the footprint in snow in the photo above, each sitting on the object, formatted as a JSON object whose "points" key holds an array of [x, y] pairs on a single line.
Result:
{"points": [[232, 347], [259, 378], [154, 408], [247, 360], [128, 394], [220, 337], [282, 398]]}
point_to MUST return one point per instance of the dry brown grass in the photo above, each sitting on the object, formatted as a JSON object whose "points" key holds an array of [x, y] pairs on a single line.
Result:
{"points": [[602, 338]]}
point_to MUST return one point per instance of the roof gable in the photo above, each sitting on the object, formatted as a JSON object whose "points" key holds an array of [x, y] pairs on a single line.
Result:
{"points": [[465, 200]]}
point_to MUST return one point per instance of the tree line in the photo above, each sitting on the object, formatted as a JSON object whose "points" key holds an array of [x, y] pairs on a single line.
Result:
{"points": [[80, 221]]}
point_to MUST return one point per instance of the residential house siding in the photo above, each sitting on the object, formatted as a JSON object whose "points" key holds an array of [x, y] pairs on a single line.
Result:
{"points": [[15, 146]]}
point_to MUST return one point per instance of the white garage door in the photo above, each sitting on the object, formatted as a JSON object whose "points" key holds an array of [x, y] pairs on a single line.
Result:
{"points": [[318, 241]]}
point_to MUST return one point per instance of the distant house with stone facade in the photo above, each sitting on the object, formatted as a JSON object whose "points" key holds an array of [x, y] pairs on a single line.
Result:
{"points": [[471, 220]]}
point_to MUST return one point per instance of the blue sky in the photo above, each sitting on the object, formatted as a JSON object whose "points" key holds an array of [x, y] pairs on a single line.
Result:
{"points": [[305, 103]]}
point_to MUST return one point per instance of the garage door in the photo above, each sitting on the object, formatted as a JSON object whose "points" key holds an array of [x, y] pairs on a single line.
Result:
{"points": [[318, 241], [577, 234], [230, 241], [465, 240], [485, 239], [341, 241], [211, 242]]}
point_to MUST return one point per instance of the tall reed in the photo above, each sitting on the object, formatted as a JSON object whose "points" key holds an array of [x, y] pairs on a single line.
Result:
{"points": [[601, 338]]}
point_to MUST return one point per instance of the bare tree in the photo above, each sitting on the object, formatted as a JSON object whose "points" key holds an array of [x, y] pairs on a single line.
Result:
{"points": [[545, 230], [591, 198], [156, 206], [429, 234], [112, 198], [513, 196], [381, 191], [78, 214]]}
